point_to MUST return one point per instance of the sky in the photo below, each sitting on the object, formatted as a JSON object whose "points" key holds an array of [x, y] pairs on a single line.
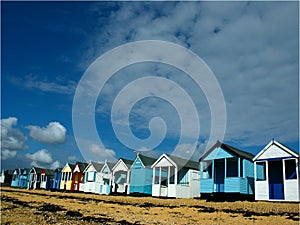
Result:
{"points": [[51, 57]]}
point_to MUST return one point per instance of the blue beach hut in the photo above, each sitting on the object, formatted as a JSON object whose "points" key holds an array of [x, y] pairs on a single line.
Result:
{"points": [[56, 179], [226, 172]]}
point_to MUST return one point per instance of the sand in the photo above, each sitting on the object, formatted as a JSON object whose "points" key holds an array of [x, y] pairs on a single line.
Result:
{"points": [[19, 206]]}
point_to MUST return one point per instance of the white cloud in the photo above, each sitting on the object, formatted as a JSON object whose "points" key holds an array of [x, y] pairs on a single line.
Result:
{"points": [[104, 154], [12, 139], [43, 159], [6, 154], [41, 156], [252, 51], [53, 134], [33, 82]]}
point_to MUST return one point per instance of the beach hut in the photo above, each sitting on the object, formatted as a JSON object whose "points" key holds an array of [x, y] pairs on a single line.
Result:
{"points": [[8, 174], [175, 177], [2, 176], [141, 175], [46, 177], [106, 178], [24, 177], [226, 172], [34, 181], [92, 175], [77, 176], [277, 173], [56, 179], [121, 175], [66, 177], [15, 182]]}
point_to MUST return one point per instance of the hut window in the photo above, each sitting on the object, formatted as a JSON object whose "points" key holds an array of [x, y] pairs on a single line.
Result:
{"points": [[232, 167], [172, 175], [260, 170], [207, 169], [156, 179], [120, 177], [90, 176], [106, 181], [290, 169], [164, 176]]}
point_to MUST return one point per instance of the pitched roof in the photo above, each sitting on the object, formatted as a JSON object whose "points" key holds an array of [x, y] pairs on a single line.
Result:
{"points": [[128, 162], [110, 165], [81, 165], [147, 161], [72, 166], [230, 149], [97, 166], [38, 170], [279, 143], [181, 162]]}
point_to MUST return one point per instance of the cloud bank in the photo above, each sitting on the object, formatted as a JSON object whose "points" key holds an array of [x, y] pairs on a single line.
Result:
{"points": [[252, 52]]}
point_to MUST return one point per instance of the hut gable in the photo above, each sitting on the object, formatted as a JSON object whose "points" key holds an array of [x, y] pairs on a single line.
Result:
{"points": [[221, 151], [275, 150]]}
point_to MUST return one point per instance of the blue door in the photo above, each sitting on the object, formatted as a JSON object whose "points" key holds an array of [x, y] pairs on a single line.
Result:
{"points": [[219, 174], [276, 188]]}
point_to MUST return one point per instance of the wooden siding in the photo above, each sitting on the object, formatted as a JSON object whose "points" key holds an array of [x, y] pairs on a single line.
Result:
{"points": [[56, 180], [141, 180], [206, 185], [222, 172], [249, 175]]}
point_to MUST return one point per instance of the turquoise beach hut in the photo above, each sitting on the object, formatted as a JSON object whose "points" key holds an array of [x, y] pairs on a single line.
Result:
{"points": [[24, 177], [16, 178], [226, 172], [141, 175]]}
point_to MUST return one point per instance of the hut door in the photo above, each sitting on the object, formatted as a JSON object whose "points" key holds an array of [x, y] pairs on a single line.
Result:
{"points": [[219, 175], [276, 189]]}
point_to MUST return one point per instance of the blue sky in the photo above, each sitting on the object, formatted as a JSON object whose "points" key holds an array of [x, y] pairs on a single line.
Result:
{"points": [[251, 47]]}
